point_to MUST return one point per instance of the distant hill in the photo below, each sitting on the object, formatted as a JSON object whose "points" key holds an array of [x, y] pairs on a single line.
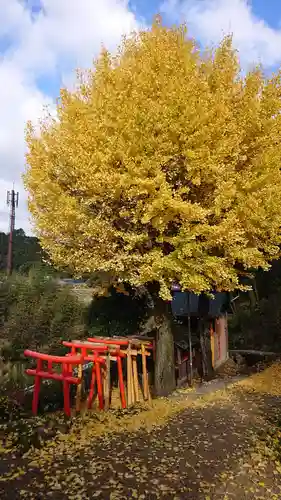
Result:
{"points": [[26, 251]]}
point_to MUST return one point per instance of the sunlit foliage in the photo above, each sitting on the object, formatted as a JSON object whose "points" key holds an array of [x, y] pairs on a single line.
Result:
{"points": [[163, 165]]}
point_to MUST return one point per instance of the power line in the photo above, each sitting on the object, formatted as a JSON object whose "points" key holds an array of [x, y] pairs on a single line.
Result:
{"points": [[13, 203]]}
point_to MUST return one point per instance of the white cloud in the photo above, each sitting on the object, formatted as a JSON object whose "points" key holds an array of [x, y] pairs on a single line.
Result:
{"points": [[14, 18], [69, 33], [20, 101], [210, 20], [63, 35]]}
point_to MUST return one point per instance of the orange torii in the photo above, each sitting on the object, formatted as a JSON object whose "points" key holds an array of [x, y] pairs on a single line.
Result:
{"points": [[104, 352], [130, 348]]}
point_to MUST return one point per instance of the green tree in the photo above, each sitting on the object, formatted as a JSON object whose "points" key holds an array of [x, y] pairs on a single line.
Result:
{"points": [[118, 313], [163, 166], [38, 314], [26, 250]]}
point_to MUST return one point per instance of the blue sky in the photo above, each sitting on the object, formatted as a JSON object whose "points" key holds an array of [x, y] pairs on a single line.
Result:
{"points": [[269, 10], [42, 41]]}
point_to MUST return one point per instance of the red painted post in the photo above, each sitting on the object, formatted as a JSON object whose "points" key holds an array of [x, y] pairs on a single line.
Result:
{"points": [[99, 384], [36, 390], [66, 395], [92, 386], [121, 382]]}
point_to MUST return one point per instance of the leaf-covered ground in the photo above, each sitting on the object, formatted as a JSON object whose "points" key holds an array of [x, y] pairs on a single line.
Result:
{"points": [[223, 446]]}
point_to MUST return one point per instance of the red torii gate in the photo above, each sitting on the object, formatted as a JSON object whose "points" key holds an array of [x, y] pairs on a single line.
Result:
{"points": [[102, 350], [66, 377], [132, 377], [99, 352]]}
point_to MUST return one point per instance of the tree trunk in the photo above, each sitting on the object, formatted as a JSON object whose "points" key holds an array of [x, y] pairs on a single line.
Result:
{"points": [[205, 343], [165, 379]]}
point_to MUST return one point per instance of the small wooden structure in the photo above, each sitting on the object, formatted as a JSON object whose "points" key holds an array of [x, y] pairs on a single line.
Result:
{"points": [[219, 347], [187, 306]]}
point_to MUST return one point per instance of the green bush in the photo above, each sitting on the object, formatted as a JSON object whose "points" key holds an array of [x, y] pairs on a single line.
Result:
{"points": [[120, 314], [12, 374], [37, 313], [259, 328]]}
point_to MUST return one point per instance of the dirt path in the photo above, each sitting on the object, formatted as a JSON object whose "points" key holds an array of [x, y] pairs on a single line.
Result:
{"points": [[208, 451]]}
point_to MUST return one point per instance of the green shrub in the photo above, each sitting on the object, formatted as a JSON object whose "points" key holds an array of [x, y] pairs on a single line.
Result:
{"points": [[118, 313], [259, 328], [12, 374], [37, 313]]}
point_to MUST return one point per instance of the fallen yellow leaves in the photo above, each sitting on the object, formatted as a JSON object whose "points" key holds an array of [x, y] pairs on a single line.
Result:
{"points": [[95, 425], [265, 382], [140, 450]]}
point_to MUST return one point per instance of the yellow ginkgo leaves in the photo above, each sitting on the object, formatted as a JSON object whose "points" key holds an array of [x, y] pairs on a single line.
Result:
{"points": [[163, 166]]}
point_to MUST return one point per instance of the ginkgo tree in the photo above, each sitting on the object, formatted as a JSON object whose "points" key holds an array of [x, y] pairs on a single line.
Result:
{"points": [[162, 166]]}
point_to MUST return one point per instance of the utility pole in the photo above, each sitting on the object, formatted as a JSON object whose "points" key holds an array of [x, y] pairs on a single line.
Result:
{"points": [[12, 202]]}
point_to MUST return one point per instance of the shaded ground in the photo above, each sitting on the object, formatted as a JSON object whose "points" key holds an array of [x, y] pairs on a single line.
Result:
{"points": [[208, 451]]}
